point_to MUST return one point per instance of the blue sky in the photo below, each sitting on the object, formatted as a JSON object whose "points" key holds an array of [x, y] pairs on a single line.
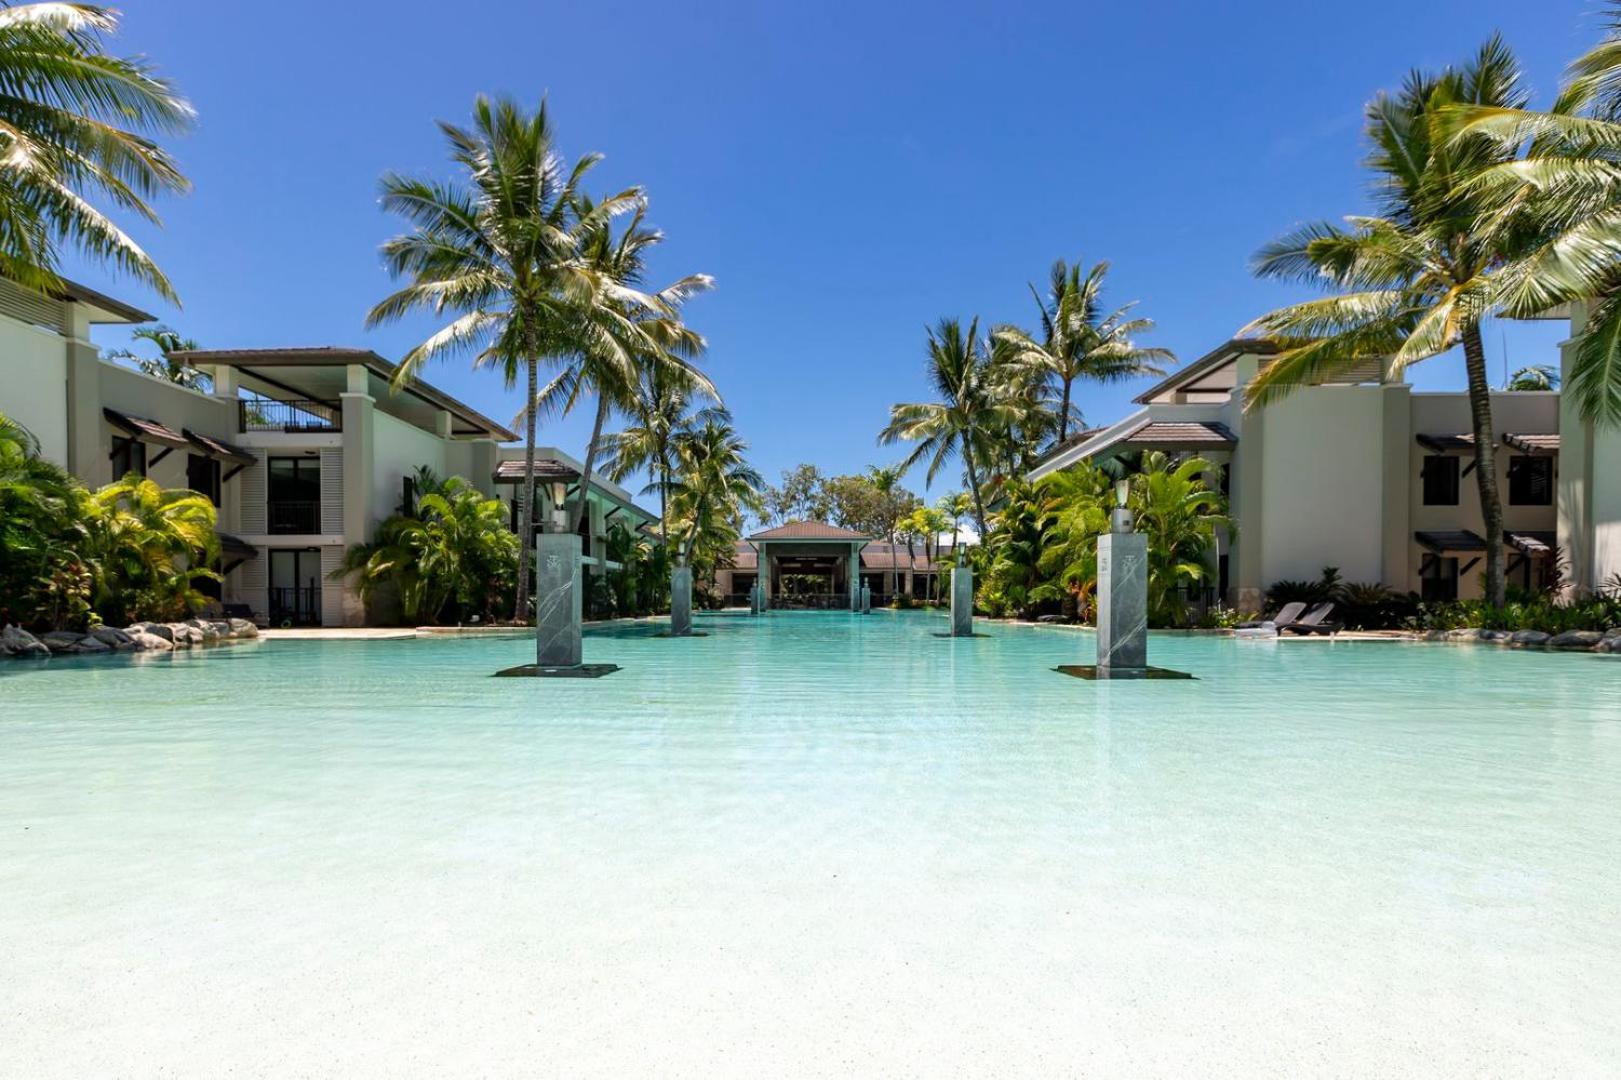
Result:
{"points": [[847, 172]]}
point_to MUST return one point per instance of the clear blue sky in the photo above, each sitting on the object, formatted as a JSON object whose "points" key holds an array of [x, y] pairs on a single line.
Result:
{"points": [[847, 172]]}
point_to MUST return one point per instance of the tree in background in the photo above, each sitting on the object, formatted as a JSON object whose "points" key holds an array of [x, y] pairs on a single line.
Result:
{"points": [[714, 492], [1079, 339], [802, 496], [1534, 377], [164, 366], [661, 413], [75, 126]]}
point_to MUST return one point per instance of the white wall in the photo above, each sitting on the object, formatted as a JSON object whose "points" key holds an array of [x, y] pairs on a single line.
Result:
{"points": [[1323, 476], [34, 385], [398, 448]]}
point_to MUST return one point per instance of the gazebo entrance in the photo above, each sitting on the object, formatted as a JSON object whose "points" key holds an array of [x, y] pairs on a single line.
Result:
{"points": [[810, 566]]}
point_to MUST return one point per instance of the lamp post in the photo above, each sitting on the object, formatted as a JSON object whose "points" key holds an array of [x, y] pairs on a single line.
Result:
{"points": [[1122, 592], [558, 611]]}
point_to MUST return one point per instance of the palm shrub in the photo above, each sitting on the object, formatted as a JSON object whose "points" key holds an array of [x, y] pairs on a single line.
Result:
{"points": [[43, 583], [454, 554], [1179, 512], [1013, 581], [146, 548], [1081, 497]]}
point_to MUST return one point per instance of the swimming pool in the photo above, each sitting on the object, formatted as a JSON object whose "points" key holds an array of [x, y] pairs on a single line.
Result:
{"points": [[812, 844]]}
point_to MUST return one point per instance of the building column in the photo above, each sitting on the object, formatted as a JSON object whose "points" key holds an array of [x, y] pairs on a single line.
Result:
{"points": [[1575, 477], [1248, 469], [763, 575], [1396, 529], [855, 577], [486, 456], [87, 450], [358, 441]]}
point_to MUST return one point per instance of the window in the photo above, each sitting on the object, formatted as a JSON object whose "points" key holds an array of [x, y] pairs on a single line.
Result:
{"points": [[1530, 481], [128, 456], [1439, 578], [295, 587], [295, 495], [1440, 480], [203, 476]]}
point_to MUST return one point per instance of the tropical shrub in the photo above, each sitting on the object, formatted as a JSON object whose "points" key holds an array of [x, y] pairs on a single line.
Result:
{"points": [[1522, 612], [1179, 512], [1359, 605], [453, 555]]}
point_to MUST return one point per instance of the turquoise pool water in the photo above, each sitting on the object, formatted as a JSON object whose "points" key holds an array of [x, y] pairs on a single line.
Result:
{"points": [[812, 845]]}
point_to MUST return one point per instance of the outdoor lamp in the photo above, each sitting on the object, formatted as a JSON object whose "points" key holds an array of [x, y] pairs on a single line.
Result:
{"points": [[1122, 488], [559, 493]]}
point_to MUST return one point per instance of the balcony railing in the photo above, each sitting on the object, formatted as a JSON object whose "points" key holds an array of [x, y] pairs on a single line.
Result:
{"points": [[294, 517], [296, 606], [264, 414]]}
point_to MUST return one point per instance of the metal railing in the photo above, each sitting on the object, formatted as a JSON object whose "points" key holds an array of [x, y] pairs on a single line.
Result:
{"points": [[293, 517], [300, 606], [265, 414]]}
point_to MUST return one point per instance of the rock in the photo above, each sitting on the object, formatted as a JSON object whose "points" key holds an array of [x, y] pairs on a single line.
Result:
{"points": [[15, 641], [156, 629], [1612, 634], [1467, 634], [1529, 639], [1575, 639], [222, 627], [208, 631], [114, 638], [184, 635], [242, 628], [151, 642], [1497, 637], [62, 641], [1608, 645], [1435, 635]]}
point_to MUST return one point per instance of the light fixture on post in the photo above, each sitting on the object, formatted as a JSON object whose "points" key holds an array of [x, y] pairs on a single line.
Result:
{"points": [[558, 489], [1120, 520]]}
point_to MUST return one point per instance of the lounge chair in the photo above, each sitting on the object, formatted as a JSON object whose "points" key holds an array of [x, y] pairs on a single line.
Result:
{"points": [[1288, 613], [1313, 622]]}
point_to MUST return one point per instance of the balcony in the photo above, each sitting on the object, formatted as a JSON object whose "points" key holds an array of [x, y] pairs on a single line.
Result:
{"points": [[290, 517], [264, 414]]}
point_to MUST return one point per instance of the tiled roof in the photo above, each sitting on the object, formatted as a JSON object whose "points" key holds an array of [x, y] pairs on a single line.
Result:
{"points": [[808, 530], [511, 471], [1182, 435], [1534, 444], [145, 430]]}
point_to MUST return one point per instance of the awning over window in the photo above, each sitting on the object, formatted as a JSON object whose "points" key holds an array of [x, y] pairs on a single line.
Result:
{"points": [[1440, 444], [233, 547], [1459, 540], [216, 448], [1532, 543], [511, 472], [149, 431], [1541, 445], [1525, 443]]}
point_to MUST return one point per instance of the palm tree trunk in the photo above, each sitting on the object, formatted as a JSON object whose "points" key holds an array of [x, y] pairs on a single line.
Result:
{"points": [[1063, 416], [973, 484], [590, 460], [1491, 505], [526, 531]]}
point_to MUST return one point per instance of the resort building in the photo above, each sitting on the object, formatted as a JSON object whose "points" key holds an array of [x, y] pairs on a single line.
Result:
{"points": [[304, 451], [1374, 478], [812, 564]]}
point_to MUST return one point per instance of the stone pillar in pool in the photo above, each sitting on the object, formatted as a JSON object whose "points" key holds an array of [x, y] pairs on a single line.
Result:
{"points": [[1122, 597], [962, 602], [557, 600], [681, 601], [866, 599], [855, 577]]}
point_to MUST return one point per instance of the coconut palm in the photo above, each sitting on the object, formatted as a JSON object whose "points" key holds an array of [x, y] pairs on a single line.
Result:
{"points": [[74, 127], [169, 341], [1079, 339], [147, 547], [713, 489], [886, 484], [969, 406], [611, 357], [1417, 280], [1534, 377], [659, 414], [502, 249], [1081, 496], [1177, 509]]}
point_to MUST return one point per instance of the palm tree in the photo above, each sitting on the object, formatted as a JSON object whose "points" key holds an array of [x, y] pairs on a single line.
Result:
{"points": [[147, 547], [955, 507], [886, 483], [1080, 340], [1534, 377], [969, 406], [1082, 497], [660, 414], [1416, 281], [714, 487], [609, 350], [503, 249], [1179, 512], [168, 341], [73, 124]]}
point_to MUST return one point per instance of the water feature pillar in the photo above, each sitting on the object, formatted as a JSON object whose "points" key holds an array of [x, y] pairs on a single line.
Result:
{"points": [[866, 599], [681, 601], [1122, 596], [557, 600], [962, 601]]}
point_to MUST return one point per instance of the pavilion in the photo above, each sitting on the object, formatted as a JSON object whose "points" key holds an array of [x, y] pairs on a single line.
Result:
{"points": [[809, 564]]}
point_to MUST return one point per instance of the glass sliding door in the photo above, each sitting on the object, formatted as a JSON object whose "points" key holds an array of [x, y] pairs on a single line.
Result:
{"points": [[295, 586]]}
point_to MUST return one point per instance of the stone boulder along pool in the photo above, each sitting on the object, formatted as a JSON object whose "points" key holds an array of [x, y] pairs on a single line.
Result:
{"points": [[811, 844]]}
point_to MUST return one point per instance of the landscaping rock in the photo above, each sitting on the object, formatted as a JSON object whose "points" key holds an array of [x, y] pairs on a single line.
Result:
{"points": [[1529, 639], [184, 635], [156, 629], [114, 638], [1471, 633], [15, 641], [1575, 639], [150, 642], [209, 630], [62, 641], [242, 628], [1497, 637]]}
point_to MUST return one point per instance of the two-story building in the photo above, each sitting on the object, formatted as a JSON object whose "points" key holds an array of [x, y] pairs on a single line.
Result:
{"points": [[1374, 478], [304, 451]]}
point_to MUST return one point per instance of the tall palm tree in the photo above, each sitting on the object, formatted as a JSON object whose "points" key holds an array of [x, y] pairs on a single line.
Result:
{"points": [[969, 406], [168, 341], [886, 482], [714, 487], [609, 351], [1080, 339], [74, 124], [660, 413], [1417, 280], [501, 248]]}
